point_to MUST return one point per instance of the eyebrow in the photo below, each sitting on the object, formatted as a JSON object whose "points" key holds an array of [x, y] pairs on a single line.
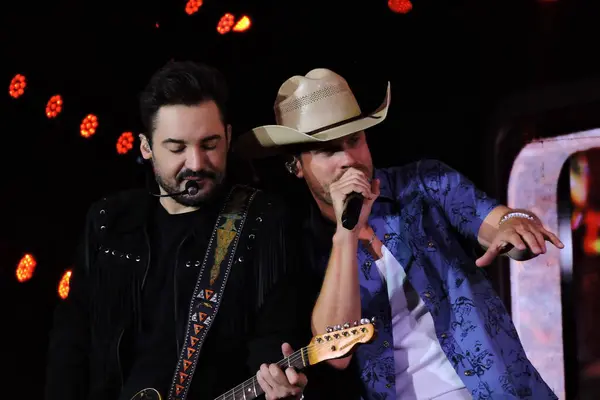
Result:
{"points": [[179, 141]]}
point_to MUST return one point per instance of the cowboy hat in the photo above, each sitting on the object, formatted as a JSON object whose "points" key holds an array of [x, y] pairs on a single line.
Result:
{"points": [[315, 108]]}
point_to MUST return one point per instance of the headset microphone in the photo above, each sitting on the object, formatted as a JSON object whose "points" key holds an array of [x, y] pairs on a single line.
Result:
{"points": [[191, 188]]}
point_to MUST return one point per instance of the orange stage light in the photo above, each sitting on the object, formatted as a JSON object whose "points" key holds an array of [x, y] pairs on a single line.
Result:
{"points": [[225, 23], [54, 106], [88, 125], [17, 86], [25, 268], [192, 6], [125, 142], [243, 24], [400, 6], [63, 285]]}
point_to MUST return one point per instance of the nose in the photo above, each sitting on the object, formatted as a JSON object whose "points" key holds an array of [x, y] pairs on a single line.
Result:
{"points": [[195, 159], [347, 159]]}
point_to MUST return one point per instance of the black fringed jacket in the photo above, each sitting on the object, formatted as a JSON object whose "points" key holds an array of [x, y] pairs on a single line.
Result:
{"points": [[266, 302]]}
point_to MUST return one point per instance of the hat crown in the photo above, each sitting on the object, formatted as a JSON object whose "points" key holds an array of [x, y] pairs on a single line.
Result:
{"points": [[321, 98]]}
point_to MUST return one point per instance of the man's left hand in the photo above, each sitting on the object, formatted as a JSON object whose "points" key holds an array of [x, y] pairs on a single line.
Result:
{"points": [[522, 234], [278, 384]]}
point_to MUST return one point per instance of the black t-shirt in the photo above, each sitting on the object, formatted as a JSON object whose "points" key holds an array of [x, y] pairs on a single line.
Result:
{"points": [[156, 346]]}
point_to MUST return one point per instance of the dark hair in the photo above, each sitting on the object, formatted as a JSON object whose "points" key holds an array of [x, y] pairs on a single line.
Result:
{"points": [[182, 83]]}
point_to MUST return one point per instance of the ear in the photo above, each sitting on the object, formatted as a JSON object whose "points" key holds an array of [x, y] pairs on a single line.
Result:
{"points": [[228, 135], [299, 172], [145, 147]]}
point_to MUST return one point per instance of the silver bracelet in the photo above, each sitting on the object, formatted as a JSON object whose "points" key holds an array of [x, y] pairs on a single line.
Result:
{"points": [[515, 214]]}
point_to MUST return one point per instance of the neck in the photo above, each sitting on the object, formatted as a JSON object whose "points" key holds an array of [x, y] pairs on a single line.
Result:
{"points": [[325, 208], [250, 389], [174, 207]]}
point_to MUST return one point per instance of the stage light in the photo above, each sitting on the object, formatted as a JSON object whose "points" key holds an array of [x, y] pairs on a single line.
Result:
{"points": [[63, 285], [54, 106], [242, 25], [192, 6], [89, 125], [400, 6], [17, 86], [125, 142], [26, 267], [225, 23]]}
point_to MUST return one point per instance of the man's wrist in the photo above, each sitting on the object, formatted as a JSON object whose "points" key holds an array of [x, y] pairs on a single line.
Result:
{"points": [[518, 214], [343, 235]]}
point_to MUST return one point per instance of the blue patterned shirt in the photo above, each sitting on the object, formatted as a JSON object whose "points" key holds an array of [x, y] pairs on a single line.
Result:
{"points": [[428, 215]]}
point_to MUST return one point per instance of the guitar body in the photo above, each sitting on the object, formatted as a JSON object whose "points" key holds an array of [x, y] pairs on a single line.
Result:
{"points": [[147, 394]]}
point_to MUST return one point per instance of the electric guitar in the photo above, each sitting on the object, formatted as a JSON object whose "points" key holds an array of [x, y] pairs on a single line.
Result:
{"points": [[336, 343]]}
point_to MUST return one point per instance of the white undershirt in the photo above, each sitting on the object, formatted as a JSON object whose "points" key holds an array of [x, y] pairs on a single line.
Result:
{"points": [[422, 369]]}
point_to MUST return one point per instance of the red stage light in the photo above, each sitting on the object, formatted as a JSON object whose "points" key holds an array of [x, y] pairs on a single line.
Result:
{"points": [[64, 285], [400, 6], [243, 24], [26, 267], [125, 142], [54, 106], [17, 86], [225, 23], [192, 6], [88, 126]]}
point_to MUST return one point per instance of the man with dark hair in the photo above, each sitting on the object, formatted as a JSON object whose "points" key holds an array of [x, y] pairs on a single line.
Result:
{"points": [[192, 282]]}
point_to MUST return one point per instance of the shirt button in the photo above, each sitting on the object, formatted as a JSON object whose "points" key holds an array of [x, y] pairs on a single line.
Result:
{"points": [[388, 385], [444, 335], [386, 344], [386, 236], [368, 263], [468, 372], [427, 294], [430, 244]]}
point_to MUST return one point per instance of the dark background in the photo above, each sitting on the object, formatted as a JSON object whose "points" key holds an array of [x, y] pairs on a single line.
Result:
{"points": [[461, 72]]}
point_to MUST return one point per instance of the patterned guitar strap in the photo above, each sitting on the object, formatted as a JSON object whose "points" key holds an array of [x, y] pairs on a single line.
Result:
{"points": [[212, 278]]}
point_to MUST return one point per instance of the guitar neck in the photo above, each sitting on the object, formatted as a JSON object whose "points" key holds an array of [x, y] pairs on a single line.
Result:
{"points": [[250, 389]]}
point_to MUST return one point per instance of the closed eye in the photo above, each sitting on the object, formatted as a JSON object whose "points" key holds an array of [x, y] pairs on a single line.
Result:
{"points": [[211, 144]]}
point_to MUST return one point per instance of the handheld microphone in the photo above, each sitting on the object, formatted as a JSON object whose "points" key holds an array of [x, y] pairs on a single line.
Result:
{"points": [[354, 203], [191, 188]]}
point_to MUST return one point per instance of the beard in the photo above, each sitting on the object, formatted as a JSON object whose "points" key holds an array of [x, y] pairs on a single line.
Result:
{"points": [[208, 187]]}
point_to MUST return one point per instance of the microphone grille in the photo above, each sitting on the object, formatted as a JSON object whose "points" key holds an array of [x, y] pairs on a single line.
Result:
{"points": [[192, 188]]}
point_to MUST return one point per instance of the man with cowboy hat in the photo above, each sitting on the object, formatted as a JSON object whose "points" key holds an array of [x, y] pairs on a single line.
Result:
{"points": [[443, 333]]}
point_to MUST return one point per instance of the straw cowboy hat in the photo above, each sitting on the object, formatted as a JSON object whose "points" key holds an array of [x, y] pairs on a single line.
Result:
{"points": [[315, 108]]}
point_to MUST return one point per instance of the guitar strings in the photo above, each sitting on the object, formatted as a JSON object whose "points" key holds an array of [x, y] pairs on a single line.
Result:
{"points": [[297, 355]]}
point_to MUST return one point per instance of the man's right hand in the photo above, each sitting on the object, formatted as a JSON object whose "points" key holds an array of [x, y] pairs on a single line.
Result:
{"points": [[353, 180]]}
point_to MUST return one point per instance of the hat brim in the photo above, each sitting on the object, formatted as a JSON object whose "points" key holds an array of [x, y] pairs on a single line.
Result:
{"points": [[269, 140]]}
